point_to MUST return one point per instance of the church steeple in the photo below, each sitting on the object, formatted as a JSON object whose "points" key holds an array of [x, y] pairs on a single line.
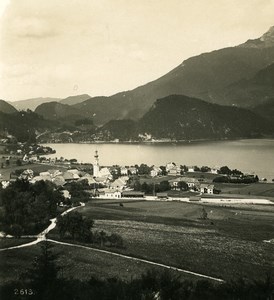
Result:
{"points": [[96, 167], [96, 156]]}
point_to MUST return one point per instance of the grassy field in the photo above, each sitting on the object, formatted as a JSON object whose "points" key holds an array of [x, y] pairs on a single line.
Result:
{"points": [[265, 190], [10, 242], [75, 263], [228, 245], [37, 168]]}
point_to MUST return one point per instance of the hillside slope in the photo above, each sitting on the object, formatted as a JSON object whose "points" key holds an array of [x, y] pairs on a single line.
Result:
{"points": [[204, 76], [72, 100], [183, 118], [7, 108], [32, 103], [266, 109], [24, 125], [58, 111], [250, 92]]}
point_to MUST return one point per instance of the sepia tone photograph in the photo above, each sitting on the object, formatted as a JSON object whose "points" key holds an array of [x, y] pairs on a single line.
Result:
{"points": [[137, 149]]}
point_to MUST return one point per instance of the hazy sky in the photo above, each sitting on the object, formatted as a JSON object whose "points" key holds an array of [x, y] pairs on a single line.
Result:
{"points": [[57, 48]]}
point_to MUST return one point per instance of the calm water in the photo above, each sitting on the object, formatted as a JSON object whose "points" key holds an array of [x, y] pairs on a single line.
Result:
{"points": [[254, 156]]}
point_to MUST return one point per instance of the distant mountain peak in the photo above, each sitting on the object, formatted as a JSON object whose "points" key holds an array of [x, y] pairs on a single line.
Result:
{"points": [[265, 41], [72, 100], [268, 37]]}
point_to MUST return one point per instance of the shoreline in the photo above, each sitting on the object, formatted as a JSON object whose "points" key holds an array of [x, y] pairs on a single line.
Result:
{"points": [[162, 141]]}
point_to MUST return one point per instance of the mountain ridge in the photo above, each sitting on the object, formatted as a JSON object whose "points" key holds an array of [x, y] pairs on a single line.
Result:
{"points": [[202, 76], [6, 107]]}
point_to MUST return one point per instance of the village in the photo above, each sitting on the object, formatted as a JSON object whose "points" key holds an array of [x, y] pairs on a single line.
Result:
{"points": [[170, 182]]}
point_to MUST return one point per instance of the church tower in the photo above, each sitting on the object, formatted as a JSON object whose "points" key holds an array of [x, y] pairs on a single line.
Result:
{"points": [[96, 167]]}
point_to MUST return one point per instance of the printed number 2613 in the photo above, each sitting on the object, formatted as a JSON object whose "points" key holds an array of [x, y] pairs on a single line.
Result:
{"points": [[23, 292]]}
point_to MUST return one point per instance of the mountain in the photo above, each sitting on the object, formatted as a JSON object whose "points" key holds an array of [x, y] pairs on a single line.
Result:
{"points": [[267, 40], [32, 103], [124, 130], [180, 117], [7, 108], [250, 92], [75, 99], [58, 111], [24, 125], [266, 109], [205, 76]]}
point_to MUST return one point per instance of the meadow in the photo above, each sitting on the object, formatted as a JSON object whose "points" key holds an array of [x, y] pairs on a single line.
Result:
{"points": [[228, 245]]}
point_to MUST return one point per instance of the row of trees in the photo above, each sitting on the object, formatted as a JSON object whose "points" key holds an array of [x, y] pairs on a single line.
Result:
{"points": [[151, 188], [27, 207], [74, 226], [43, 280], [243, 179]]}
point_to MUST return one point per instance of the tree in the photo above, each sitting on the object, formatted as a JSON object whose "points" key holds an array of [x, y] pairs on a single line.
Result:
{"points": [[203, 214], [182, 185], [18, 162], [205, 169], [74, 225], [164, 171], [137, 185], [144, 169], [29, 206], [43, 272], [197, 169], [164, 186], [225, 170]]}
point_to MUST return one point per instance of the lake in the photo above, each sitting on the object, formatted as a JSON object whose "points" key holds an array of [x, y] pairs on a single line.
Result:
{"points": [[250, 156]]}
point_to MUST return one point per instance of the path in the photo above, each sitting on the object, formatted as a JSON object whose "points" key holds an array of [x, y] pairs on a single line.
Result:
{"points": [[137, 259], [42, 236]]}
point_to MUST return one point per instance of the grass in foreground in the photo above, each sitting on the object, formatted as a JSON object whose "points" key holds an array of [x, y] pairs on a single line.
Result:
{"points": [[10, 242], [228, 245]]}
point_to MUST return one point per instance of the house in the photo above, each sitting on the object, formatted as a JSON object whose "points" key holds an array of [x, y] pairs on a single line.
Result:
{"points": [[39, 178], [105, 172], [5, 184], [191, 169], [102, 179], [132, 171], [110, 193], [133, 194], [124, 171], [191, 182], [69, 176], [214, 170], [66, 194], [156, 171], [172, 169], [175, 182], [207, 188], [25, 158], [53, 173], [89, 178], [26, 174], [74, 171], [45, 174], [162, 195], [195, 198], [170, 166], [119, 184], [59, 180]]}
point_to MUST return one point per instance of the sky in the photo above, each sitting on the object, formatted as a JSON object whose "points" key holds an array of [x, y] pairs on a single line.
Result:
{"points": [[58, 48]]}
